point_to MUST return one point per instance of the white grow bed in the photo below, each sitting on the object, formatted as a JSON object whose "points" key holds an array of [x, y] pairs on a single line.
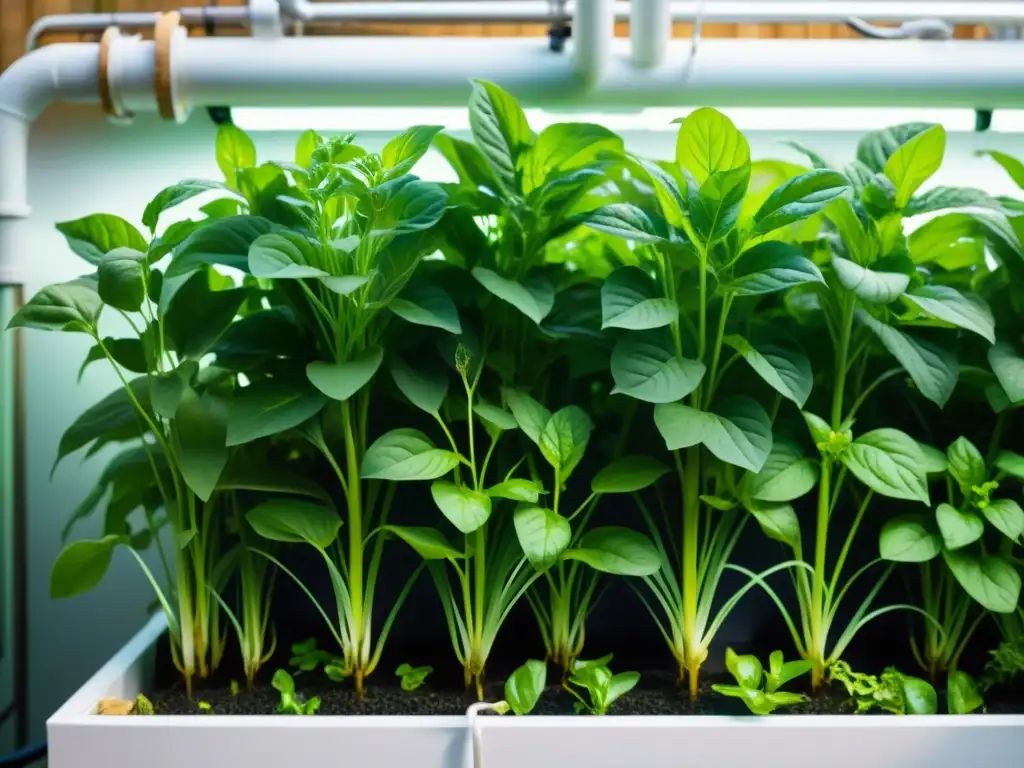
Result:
{"points": [[79, 739]]}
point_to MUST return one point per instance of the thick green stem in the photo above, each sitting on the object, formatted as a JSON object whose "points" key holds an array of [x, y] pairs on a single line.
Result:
{"points": [[816, 645], [355, 539], [842, 362]]}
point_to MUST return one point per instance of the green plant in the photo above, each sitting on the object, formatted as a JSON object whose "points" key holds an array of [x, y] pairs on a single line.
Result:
{"points": [[975, 568], [602, 687], [758, 689], [962, 694], [892, 691], [708, 252], [292, 703], [412, 677], [204, 707], [1006, 664], [143, 706], [306, 657], [234, 688], [525, 685]]}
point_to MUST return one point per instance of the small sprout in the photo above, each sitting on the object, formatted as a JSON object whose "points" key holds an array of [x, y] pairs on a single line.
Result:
{"points": [[143, 706], [524, 686], [234, 688], [306, 656], [335, 672], [891, 691], [1006, 664], [501, 708], [205, 707], [462, 360], [962, 694], [760, 690], [602, 687], [292, 703], [412, 677]]}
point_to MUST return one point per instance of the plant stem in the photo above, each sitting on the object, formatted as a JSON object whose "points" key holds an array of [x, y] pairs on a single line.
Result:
{"points": [[816, 644], [842, 354], [355, 543]]}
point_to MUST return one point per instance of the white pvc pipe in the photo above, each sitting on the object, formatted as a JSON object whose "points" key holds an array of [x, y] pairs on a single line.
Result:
{"points": [[650, 29], [995, 12], [593, 29]]}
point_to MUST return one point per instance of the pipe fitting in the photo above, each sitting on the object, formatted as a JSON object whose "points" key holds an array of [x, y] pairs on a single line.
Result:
{"points": [[650, 28], [593, 29]]}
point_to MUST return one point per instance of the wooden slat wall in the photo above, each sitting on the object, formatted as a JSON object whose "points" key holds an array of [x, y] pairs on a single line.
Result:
{"points": [[17, 15]]}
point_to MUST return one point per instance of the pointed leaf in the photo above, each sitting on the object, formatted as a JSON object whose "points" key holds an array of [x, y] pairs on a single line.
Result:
{"points": [[786, 475], [534, 297], [424, 386], [770, 267], [339, 381], [714, 207], [628, 474], [908, 539], [121, 283], [81, 566], [1008, 366], [890, 463], [92, 237], [915, 162], [955, 308], [958, 528], [427, 305], [430, 544], [629, 300], [222, 241], [402, 152], [1007, 517], [516, 489], [990, 579], [234, 151], [868, 285], [530, 415], [295, 522], [628, 221], [269, 407], [72, 307], [406, 454], [542, 533], [783, 366], [499, 129], [778, 521], [564, 439], [494, 416], [799, 198], [709, 142], [616, 550], [200, 426], [525, 686], [965, 464], [465, 508], [174, 195], [651, 372], [739, 432]]}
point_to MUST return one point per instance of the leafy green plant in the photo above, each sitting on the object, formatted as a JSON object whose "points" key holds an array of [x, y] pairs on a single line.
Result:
{"points": [[976, 565], [601, 687], [292, 703], [143, 706], [682, 313], [525, 685], [758, 689], [1006, 664], [892, 691], [204, 707], [962, 694], [306, 657], [412, 677]]}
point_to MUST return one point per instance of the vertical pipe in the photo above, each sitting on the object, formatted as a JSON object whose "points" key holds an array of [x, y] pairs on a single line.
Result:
{"points": [[650, 28], [593, 28]]}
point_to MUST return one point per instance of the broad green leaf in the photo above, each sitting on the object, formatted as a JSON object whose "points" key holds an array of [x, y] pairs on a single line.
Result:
{"points": [[1006, 516], [529, 414], [739, 432], [990, 579], [628, 221], [958, 528], [534, 296], [343, 285], [92, 237], [908, 539], [200, 428], [516, 489], [933, 369], [962, 694], [499, 129], [114, 414], [889, 462], [197, 316], [876, 147], [709, 142], [542, 533], [121, 282], [668, 189], [167, 389], [295, 522], [73, 307], [772, 266], [176, 194], [269, 407], [945, 198], [130, 354], [428, 543], [616, 550], [339, 381], [778, 521], [283, 255], [465, 508], [919, 696], [860, 245], [934, 460], [915, 162], [424, 386], [467, 161], [651, 372], [1010, 463], [963, 311], [242, 474], [629, 300], [427, 305], [234, 151], [966, 464], [401, 153], [222, 241], [783, 366], [406, 205], [867, 284], [786, 475], [1008, 366], [799, 198], [495, 416], [565, 147], [1010, 164], [714, 207], [406, 454], [952, 241], [564, 439], [524, 687], [628, 474], [81, 566]]}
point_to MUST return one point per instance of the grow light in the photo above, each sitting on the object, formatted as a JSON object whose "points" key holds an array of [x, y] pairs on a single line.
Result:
{"points": [[654, 119]]}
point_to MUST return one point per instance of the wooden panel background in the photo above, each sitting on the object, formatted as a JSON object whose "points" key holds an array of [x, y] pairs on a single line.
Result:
{"points": [[17, 15]]}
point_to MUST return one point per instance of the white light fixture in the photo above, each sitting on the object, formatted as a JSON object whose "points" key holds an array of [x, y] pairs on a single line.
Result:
{"points": [[798, 119]]}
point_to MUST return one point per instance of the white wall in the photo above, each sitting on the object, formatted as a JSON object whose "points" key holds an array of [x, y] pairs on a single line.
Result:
{"points": [[80, 165]]}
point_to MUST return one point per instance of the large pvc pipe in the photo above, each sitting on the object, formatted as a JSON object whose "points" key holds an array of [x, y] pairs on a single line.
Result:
{"points": [[592, 30], [995, 12], [650, 29]]}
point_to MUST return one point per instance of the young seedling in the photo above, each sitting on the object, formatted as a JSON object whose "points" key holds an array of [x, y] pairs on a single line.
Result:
{"points": [[891, 691], [758, 689], [143, 706], [412, 677], [524, 687], [306, 657], [1006, 664], [234, 688], [963, 696], [204, 707], [292, 703], [601, 687]]}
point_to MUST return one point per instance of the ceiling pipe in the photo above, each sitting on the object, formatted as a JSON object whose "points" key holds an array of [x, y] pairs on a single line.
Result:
{"points": [[995, 12], [593, 30], [650, 29]]}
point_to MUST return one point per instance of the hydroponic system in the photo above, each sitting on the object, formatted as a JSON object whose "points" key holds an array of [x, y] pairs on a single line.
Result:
{"points": [[575, 383]]}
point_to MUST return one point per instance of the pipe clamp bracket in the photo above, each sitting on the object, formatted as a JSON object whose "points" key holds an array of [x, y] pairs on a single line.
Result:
{"points": [[168, 34]]}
